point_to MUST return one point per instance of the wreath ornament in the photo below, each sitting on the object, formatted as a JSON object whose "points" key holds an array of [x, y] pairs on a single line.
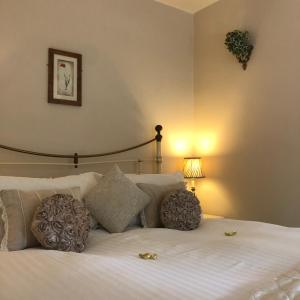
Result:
{"points": [[239, 45]]}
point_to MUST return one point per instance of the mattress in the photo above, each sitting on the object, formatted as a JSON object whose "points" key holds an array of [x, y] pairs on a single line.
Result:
{"points": [[200, 264]]}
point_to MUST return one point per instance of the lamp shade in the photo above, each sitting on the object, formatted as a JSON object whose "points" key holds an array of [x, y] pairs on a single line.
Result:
{"points": [[193, 167]]}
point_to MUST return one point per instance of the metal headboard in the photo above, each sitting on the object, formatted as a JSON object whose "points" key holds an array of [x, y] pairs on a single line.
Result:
{"points": [[76, 156]]}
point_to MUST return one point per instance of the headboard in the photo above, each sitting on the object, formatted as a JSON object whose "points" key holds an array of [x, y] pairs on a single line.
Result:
{"points": [[76, 157]]}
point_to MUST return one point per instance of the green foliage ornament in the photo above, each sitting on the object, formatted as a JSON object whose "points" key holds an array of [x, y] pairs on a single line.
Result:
{"points": [[238, 44]]}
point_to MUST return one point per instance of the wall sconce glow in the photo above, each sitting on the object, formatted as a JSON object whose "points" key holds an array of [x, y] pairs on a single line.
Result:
{"points": [[207, 145], [181, 147]]}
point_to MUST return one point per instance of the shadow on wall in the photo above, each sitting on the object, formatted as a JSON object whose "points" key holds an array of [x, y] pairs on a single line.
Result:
{"points": [[111, 121]]}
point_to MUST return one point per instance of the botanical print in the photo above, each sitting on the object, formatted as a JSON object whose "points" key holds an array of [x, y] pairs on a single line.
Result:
{"points": [[65, 78]]}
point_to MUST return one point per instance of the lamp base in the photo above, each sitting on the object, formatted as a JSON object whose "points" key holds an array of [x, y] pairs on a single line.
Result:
{"points": [[193, 189]]}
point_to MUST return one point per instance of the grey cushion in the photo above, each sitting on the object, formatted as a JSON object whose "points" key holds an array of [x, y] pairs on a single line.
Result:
{"points": [[115, 201], [18, 210], [150, 216], [180, 210], [61, 223]]}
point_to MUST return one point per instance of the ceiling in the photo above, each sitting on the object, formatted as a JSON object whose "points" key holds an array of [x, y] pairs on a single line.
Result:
{"points": [[191, 6]]}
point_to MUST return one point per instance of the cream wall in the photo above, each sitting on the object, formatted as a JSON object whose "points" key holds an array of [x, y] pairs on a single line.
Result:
{"points": [[248, 123], [137, 72]]}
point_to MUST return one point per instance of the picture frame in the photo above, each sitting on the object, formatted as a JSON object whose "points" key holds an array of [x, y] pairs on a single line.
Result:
{"points": [[64, 77]]}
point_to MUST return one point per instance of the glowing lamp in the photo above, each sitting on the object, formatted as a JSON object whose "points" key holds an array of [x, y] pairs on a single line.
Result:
{"points": [[192, 169]]}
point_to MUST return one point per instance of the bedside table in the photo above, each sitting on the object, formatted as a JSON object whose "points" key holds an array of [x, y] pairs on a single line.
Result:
{"points": [[205, 217]]}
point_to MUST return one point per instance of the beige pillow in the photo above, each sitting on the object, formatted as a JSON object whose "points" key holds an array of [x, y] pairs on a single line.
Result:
{"points": [[1, 226], [150, 216], [115, 201], [18, 210]]}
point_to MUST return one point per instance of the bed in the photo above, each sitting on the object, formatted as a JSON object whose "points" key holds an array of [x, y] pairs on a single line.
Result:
{"points": [[201, 264], [262, 261]]}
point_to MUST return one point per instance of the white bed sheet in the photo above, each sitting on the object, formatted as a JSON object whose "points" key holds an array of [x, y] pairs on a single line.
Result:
{"points": [[201, 264]]}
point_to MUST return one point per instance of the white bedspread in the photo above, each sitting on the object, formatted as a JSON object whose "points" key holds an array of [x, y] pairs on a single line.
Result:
{"points": [[285, 287], [201, 264]]}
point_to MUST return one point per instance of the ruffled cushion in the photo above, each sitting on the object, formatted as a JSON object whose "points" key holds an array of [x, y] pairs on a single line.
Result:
{"points": [[180, 210], [61, 223]]}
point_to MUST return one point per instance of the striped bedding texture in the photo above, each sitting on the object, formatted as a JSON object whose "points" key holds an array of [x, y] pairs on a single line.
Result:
{"points": [[200, 264], [285, 287]]}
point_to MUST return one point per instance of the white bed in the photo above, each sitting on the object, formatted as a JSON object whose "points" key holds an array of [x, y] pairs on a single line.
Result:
{"points": [[200, 264], [261, 262]]}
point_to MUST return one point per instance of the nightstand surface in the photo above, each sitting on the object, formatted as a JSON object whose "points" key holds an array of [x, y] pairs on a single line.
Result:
{"points": [[205, 217]]}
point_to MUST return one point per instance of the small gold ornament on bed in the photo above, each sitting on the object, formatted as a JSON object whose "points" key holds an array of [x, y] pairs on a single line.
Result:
{"points": [[230, 233], [148, 256]]}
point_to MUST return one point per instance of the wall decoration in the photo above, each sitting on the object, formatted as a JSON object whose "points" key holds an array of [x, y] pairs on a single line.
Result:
{"points": [[64, 77], [239, 45]]}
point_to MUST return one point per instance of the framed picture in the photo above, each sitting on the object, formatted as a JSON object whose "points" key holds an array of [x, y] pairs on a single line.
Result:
{"points": [[64, 77]]}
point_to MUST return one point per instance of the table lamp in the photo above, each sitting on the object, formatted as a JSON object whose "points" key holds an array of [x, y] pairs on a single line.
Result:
{"points": [[192, 169]]}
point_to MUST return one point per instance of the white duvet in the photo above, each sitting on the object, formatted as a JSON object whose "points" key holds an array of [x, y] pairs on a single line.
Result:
{"points": [[201, 264]]}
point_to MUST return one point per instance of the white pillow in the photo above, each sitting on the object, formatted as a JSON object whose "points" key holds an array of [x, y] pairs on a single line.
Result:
{"points": [[85, 181], [158, 179]]}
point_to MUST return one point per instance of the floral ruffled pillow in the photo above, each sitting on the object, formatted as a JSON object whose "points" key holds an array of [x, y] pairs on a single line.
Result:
{"points": [[61, 223], [180, 210]]}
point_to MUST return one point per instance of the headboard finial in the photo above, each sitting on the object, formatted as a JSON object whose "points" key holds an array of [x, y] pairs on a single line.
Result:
{"points": [[158, 136]]}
